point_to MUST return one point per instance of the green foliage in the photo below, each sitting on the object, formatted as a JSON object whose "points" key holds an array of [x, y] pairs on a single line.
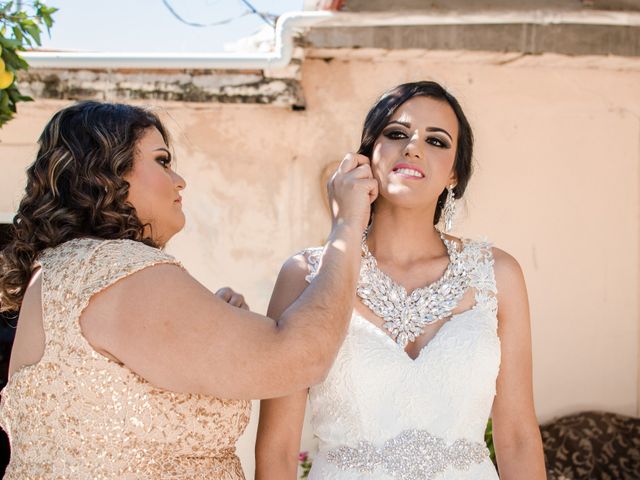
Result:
{"points": [[20, 28], [305, 464], [488, 439]]}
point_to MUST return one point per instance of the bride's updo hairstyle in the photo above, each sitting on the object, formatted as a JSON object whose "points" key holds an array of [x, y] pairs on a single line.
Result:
{"points": [[75, 187], [384, 108]]}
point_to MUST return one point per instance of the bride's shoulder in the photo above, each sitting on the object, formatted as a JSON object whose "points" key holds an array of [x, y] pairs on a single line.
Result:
{"points": [[302, 266], [506, 267]]}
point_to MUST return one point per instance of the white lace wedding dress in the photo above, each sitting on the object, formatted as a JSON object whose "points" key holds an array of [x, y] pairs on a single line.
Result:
{"points": [[380, 415]]}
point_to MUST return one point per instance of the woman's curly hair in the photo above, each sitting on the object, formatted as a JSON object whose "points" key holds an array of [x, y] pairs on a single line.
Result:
{"points": [[75, 187]]}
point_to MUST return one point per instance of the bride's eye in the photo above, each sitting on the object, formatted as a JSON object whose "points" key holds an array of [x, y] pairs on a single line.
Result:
{"points": [[395, 134], [438, 142]]}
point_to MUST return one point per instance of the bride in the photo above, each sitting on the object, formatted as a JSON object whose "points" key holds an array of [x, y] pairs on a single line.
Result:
{"points": [[439, 338]]}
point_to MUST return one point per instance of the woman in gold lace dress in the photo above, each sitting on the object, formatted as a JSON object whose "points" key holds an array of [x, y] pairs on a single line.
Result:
{"points": [[121, 359]]}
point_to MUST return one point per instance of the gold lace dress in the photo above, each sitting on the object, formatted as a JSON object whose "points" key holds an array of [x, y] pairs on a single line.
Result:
{"points": [[78, 415]]}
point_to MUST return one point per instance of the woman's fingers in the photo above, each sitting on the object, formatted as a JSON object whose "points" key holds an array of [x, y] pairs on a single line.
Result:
{"points": [[238, 301], [233, 298], [352, 189], [351, 161]]}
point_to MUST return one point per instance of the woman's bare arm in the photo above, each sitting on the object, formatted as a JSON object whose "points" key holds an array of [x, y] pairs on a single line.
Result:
{"points": [[171, 330], [516, 434]]}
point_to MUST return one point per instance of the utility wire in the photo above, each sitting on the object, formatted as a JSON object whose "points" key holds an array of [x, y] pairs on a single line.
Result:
{"points": [[263, 16], [194, 24], [266, 17]]}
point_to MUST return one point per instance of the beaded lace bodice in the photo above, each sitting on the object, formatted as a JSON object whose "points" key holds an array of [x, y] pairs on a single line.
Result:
{"points": [[77, 415], [375, 393]]}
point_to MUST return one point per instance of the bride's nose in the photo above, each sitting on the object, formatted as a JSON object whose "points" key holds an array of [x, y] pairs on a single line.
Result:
{"points": [[413, 149]]}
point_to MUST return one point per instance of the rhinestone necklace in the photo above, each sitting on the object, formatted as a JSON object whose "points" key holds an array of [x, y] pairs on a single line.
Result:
{"points": [[405, 316]]}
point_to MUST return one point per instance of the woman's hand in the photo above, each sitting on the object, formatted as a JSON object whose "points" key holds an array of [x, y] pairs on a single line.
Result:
{"points": [[232, 297], [352, 189]]}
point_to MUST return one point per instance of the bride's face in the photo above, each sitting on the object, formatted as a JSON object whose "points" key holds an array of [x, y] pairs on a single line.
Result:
{"points": [[413, 157]]}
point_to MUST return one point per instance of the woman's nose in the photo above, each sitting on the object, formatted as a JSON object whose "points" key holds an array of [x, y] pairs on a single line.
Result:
{"points": [[179, 181]]}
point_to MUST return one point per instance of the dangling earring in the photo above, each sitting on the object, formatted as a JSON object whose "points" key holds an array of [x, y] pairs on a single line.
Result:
{"points": [[449, 209]]}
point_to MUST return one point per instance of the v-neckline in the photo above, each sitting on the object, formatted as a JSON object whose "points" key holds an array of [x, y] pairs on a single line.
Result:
{"points": [[425, 348]]}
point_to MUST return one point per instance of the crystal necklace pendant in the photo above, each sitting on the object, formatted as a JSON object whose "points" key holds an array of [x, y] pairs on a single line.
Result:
{"points": [[406, 315]]}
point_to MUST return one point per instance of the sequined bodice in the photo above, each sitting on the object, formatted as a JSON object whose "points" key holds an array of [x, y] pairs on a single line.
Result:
{"points": [[375, 393], [77, 415]]}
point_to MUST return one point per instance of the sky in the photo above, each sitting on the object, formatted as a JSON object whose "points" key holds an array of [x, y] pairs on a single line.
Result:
{"points": [[148, 26]]}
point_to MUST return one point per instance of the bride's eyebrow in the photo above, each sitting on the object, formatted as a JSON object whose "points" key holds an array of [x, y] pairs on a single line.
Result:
{"points": [[438, 129], [404, 124]]}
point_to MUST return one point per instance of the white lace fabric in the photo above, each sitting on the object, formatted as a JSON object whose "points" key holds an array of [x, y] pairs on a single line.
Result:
{"points": [[375, 391]]}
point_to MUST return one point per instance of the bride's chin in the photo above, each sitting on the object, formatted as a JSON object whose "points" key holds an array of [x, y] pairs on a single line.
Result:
{"points": [[401, 200]]}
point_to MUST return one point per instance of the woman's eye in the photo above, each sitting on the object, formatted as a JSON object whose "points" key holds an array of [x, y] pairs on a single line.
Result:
{"points": [[395, 134], [164, 161], [436, 142]]}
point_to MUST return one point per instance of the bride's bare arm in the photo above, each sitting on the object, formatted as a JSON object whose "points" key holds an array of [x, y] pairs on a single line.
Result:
{"points": [[172, 331], [516, 433], [281, 419]]}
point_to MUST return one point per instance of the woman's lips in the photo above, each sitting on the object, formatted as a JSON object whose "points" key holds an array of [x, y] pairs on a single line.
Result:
{"points": [[408, 171]]}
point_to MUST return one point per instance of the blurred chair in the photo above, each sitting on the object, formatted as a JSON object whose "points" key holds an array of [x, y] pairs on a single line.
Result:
{"points": [[592, 446]]}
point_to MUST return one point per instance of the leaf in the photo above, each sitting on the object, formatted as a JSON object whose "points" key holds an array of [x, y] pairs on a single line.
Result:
{"points": [[7, 6], [18, 34], [13, 60], [4, 101], [14, 94], [34, 31], [47, 21], [25, 25], [9, 42]]}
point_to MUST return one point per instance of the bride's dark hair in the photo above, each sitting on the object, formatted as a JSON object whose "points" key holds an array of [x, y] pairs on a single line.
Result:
{"points": [[75, 187], [384, 108]]}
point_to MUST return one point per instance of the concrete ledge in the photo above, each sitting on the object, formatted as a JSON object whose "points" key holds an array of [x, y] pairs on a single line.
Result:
{"points": [[180, 86], [566, 39]]}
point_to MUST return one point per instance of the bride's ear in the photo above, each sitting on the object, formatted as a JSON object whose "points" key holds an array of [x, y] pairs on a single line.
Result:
{"points": [[453, 176]]}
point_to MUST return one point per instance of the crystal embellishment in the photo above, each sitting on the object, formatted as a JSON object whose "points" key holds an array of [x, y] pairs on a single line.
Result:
{"points": [[406, 315], [412, 455]]}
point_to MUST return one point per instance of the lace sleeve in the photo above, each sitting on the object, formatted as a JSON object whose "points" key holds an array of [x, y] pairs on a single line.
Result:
{"points": [[482, 274], [313, 256], [113, 260]]}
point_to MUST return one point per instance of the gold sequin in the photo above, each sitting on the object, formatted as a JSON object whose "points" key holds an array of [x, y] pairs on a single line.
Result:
{"points": [[78, 415]]}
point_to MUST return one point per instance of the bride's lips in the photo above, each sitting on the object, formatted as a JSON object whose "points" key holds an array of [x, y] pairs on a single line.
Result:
{"points": [[408, 171]]}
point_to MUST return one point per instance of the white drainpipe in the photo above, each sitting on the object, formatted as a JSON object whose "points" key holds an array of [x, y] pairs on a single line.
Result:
{"points": [[289, 22]]}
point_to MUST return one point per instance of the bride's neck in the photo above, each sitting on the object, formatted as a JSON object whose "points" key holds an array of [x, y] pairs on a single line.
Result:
{"points": [[404, 236]]}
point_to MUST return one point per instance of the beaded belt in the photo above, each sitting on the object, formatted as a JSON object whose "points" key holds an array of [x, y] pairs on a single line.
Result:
{"points": [[412, 455]]}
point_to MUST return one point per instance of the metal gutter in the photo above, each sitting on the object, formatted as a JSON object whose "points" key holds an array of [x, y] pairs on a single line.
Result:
{"points": [[286, 28], [289, 23]]}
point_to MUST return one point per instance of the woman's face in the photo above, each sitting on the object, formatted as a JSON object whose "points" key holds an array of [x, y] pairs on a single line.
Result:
{"points": [[154, 188], [413, 157]]}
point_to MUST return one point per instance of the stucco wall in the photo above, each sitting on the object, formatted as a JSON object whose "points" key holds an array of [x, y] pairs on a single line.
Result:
{"points": [[557, 184]]}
